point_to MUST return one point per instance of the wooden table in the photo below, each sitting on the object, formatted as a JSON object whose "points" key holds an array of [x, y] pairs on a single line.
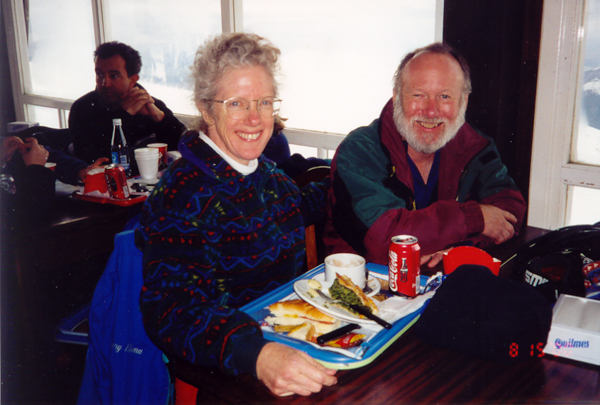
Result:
{"points": [[75, 231], [54, 266], [413, 372]]}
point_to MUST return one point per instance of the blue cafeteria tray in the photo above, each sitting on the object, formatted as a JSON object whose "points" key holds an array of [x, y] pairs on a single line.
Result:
{"points": [[377, 345]]}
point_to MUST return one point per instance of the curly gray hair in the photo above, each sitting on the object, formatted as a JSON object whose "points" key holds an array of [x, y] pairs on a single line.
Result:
{"points": [[222, 53]]}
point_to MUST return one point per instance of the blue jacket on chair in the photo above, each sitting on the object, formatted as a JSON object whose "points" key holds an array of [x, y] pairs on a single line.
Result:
{"points": [[123, 366]]}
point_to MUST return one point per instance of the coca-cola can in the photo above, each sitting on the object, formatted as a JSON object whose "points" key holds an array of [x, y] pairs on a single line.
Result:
{"points": [[405, 265], [117, 181]]}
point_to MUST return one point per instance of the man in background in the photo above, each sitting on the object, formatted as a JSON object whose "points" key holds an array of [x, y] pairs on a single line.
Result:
{"points": [[421, 170], [119, 95]]}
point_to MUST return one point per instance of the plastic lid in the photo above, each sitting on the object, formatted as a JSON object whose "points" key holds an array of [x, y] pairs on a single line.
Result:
{"points": [[117, 121]]}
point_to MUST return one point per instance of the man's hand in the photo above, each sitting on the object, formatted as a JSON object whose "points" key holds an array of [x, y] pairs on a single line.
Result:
{"points": [[433, 259], [138, 101], [287, 371], [9, 145], [82, 174], [33, 153], [499, 224]]}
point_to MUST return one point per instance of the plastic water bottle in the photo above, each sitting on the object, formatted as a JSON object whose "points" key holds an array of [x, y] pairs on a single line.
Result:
{"points": [[119, 150]]}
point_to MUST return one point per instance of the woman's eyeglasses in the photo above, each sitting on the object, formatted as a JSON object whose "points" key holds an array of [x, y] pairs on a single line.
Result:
{"points": [[237, 107]]}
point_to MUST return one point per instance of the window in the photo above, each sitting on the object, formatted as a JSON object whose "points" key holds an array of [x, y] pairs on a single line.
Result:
{"points": [[586, 136], [338, 56], [582, 202], [565, 174], [47, 116], [166, 34], [584, 207], [60, 54]]}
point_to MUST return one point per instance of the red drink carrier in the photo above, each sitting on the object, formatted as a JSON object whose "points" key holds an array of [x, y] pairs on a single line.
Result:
{"points": [[405, 266]]}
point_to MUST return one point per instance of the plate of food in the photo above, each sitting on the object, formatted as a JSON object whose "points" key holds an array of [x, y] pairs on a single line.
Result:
{"points": [[343, 291]]}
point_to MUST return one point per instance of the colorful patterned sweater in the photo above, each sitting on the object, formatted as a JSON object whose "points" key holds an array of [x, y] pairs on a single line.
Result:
{"points": [[214, 240]]}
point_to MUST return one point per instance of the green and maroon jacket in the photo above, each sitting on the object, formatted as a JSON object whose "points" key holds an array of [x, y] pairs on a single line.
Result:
{"points": [[372, 196]]}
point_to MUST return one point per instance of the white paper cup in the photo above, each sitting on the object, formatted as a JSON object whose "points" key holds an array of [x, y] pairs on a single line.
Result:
{"points": [[148, 165], [146, 152], [347, 264]]}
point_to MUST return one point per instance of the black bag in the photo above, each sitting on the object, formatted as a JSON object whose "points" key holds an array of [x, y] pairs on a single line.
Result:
{"points": [[485, 316], [553, 263]]}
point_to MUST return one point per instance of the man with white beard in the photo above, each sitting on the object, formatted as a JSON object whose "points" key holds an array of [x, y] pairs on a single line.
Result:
{"points": [[420, 170]]}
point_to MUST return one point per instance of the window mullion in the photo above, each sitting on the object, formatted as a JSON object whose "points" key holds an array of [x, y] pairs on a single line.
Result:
{"points": [[581, 175], [555, 103], [313, 139], [101, 23], [439, 21], [322, 153], [232, 16], [16, 33], [45, 101]]}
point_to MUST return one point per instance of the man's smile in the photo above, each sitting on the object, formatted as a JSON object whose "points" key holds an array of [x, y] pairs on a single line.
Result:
{"points": [[430, 125]]}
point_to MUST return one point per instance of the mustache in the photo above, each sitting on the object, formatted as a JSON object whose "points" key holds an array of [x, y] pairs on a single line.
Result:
{"points": [[430, 120], [110, 95]]}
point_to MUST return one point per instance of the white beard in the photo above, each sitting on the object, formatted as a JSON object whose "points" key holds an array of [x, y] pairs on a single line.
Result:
{"points": [[427, 144]]}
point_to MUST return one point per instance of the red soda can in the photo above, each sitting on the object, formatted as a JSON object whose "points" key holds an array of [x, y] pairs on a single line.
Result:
{"points": [[117, 181], [405, 265]]}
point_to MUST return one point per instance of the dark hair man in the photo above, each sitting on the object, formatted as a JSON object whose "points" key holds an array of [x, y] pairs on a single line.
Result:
{"points": [[420, 169], [118, 95]]}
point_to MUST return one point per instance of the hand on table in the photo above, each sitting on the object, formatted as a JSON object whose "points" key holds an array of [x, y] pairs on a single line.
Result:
{"points": [[285, 371], [433, 259], [83, 172], [498, 224], [33, 153], [139, 101]]}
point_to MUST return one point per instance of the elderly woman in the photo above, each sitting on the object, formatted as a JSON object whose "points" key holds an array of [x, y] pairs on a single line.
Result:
{"points": [[224, 226]]}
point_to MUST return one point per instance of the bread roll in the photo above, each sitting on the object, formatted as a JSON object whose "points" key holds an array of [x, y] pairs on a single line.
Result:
{"points": [[297, 312], [299, 308]]}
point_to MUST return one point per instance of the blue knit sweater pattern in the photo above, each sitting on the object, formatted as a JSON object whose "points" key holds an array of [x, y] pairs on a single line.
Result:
{"points": [[213, 240]]}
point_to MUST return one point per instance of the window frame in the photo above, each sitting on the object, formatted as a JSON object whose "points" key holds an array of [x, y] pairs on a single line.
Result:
{"points": [[559, 78]]}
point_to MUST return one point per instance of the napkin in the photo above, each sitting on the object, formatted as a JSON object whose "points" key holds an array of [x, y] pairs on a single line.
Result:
{"points": [[395, 308], [94, 193]]}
